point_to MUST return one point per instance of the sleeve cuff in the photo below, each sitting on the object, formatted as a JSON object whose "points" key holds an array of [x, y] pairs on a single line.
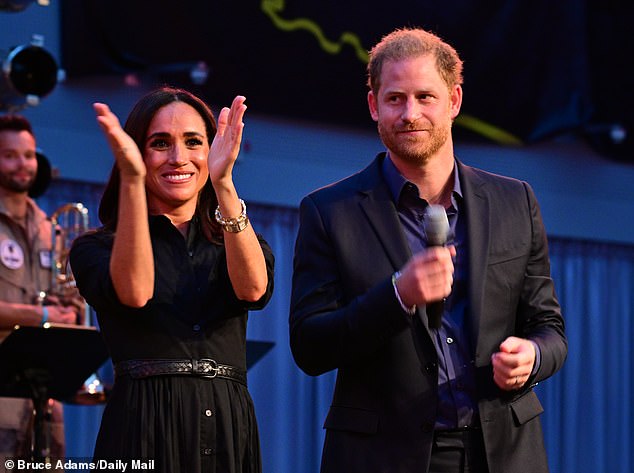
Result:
{"points": [[538, 359], [407, 310]]}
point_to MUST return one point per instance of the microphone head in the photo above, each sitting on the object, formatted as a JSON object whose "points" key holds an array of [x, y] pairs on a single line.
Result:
{"points": [[436, 225]]}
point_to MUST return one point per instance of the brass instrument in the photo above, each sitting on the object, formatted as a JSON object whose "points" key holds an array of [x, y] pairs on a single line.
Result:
{"points": [[70, 221]]}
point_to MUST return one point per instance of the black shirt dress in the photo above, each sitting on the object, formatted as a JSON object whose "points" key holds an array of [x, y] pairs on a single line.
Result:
{"points": [[184, 423]]}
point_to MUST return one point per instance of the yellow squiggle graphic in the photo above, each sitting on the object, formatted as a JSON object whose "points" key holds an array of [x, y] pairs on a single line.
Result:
{"points": [[273, 7], [487, 130]]}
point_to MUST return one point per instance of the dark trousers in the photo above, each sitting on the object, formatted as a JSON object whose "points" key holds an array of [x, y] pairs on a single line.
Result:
{"points": [[458, 451]]}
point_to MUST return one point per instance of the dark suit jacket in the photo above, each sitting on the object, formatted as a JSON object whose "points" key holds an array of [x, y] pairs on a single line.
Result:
{"points": [[345, 316]]}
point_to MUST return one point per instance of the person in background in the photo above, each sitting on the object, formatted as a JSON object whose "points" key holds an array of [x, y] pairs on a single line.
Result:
{"points": [[415, 394], [25, 278], [172, 275]]}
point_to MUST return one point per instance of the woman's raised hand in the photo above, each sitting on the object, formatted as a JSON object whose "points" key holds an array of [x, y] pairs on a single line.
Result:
{"points": [[126, 152], [226, 144]]}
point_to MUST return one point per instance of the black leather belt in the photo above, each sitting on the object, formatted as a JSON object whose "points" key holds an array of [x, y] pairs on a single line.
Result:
{"points": [[205, 368]]}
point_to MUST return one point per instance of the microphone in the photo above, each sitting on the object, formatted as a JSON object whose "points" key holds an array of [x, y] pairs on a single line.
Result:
{"points": [[436, 227]]}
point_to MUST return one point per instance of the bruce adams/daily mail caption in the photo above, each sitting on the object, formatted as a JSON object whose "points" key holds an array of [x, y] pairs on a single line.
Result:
{"points": [[70, 465]]}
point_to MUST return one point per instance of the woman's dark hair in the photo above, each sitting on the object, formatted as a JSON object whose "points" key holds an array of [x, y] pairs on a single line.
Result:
{"points": [[137, 126]]}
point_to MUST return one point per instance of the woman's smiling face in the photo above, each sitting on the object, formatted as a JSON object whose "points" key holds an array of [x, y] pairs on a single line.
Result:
{"points": [[175, 155]]}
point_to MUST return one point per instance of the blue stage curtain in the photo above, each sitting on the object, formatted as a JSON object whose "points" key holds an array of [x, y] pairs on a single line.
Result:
{"points": [[290, 405], [588, 419]]}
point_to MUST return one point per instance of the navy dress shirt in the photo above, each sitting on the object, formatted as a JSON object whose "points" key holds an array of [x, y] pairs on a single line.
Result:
{"points": [[457, 401]]}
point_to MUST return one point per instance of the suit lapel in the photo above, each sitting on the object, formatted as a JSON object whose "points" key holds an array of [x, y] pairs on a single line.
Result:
{"points": [[377, 205], [478, 235]]}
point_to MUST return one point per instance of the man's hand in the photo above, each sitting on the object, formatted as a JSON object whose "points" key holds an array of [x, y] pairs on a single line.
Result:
{"points": [[69, 300], [513, 364], [427, 276], [61, 315]]}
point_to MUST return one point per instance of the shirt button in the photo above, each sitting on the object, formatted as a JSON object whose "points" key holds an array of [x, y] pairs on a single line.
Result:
{"points": [[449, 340], [208, 413], [208, 451], [196, 328]]}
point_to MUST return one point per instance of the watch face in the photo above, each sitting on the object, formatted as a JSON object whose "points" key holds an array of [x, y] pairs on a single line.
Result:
{"points": [[236, 226]]}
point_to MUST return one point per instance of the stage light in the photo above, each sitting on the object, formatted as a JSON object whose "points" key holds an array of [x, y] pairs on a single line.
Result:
{"points": [[618, 133], [613, 140], [14, 6], [199, 73], [29, 73]]}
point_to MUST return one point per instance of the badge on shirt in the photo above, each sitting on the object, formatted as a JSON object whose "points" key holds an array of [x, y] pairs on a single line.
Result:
{"points": [[11, 254]]}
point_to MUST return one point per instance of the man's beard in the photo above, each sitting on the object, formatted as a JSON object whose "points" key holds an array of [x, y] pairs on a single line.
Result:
{"points": [[15, 185], [418, 151]]}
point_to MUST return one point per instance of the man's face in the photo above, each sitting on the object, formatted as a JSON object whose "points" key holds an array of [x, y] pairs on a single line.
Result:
{"points": [[414, 109], [18, 161]]}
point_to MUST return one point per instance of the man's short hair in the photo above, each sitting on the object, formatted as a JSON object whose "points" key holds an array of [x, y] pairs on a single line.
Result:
{"points": [[15, 123], [408, 43]]}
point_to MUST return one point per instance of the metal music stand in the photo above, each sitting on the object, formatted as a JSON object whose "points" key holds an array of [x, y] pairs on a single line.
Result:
{"points": [[46, 362]]}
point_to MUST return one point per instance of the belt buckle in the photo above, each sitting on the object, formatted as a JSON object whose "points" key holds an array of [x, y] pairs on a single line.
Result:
{"points": [[205, 367]]}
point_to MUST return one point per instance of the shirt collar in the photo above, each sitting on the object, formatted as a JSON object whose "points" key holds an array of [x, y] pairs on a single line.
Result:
{"points": [[161, 222], [32, 210], [396, 181]]}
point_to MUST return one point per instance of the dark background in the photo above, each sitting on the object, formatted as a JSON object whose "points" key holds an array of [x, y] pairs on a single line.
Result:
{"points": [[538, 70]]}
